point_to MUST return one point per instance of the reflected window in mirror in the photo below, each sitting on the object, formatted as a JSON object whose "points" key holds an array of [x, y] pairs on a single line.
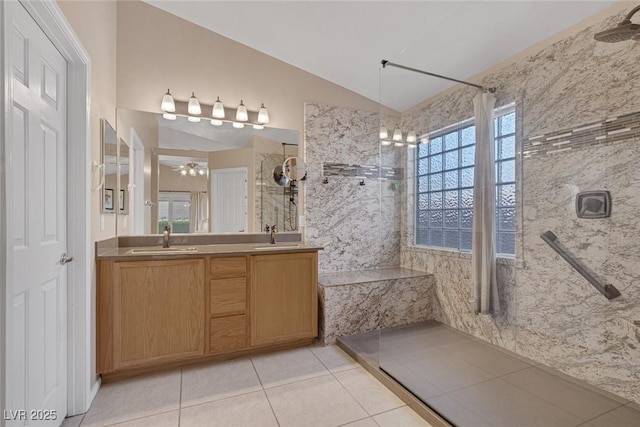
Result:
{"points": [[174, 208]]}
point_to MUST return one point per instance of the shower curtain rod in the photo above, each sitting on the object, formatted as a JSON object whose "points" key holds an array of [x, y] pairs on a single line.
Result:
{"points": [[486, 89]]}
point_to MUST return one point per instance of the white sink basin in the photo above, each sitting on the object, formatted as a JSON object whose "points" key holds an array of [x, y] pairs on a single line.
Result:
{"points": [[163, 251], [266, 246]]}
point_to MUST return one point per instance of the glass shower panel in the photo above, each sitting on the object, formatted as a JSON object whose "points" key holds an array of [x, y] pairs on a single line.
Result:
{"points": [[449, 349]]}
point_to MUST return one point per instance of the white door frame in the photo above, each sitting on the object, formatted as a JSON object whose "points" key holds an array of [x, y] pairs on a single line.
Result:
{"points": [[136, 177], [50, 18]]}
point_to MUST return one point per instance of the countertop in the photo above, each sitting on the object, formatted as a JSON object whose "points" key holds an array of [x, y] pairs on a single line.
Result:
{"points": [[129, 253]]}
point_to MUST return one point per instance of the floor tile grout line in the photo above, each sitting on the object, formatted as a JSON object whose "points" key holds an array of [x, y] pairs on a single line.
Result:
{"points": [[355, 421], [180, 401], [356, 399], [264, 391], [139, 418], [601, 414]]}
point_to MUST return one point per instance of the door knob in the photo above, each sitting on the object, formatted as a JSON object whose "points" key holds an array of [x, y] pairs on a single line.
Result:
{"points": [[65, 259]]}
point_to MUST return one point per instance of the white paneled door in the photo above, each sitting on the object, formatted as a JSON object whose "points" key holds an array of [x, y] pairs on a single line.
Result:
{"points": [[229, 200], [37, 290]]}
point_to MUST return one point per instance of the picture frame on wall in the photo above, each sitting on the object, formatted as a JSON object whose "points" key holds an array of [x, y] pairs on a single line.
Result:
{"points": [[108, 199], [121, 200]]}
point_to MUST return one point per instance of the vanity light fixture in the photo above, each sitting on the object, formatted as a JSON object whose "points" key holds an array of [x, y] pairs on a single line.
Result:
{"points": [[194, 105], [397, 134], [383, 133], [218, 110], [412, 137], [241, 113], [263, 115], [168, 105], [218, 113]]}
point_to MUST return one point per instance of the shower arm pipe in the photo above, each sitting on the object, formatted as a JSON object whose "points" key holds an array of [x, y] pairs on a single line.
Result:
{"points": [[627, 19], [608, 291], [415, 70]]}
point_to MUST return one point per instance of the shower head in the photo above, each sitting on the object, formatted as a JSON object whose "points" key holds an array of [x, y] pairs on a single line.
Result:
{"points": [[625, 30]]}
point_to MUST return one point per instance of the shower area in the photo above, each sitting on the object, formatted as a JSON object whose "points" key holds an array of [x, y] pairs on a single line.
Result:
{"points": [[561, 347], [278, 202]]}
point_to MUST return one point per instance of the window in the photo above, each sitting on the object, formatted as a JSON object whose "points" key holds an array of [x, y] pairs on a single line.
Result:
{"points": [[444, 187], [174, 209]]}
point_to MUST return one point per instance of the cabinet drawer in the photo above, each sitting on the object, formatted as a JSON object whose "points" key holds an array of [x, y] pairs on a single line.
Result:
{"points": [[228, 295], [227, 333], [228, 267]]}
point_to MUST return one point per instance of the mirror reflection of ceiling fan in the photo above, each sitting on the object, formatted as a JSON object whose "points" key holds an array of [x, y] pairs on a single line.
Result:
{"points": [[191, 169]]}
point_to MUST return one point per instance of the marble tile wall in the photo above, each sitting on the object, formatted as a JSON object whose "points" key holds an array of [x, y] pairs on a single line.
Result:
{"points": [[551, 314], [358, 226]]}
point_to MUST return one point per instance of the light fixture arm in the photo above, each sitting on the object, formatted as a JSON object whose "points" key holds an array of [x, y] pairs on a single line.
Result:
{"points": [[415, 70]]}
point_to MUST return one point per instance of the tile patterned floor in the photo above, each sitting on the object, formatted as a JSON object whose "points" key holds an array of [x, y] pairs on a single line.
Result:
{"points": [[472, 383], [309, 386]]}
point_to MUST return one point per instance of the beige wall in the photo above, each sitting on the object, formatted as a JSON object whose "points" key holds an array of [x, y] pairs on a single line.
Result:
{"points": [[95, 24], [157, 50], [171, 180]]}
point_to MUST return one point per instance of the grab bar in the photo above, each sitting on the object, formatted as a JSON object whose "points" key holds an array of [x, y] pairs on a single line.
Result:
{"points": [[609, 291]]}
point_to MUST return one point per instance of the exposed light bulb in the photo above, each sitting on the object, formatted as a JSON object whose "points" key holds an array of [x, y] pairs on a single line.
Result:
{"points": [[192, 172], [238, 125], [167, 103], [169, 116], [259, 127], [194, 119], [399, 144], [397, 134], [183, 172], [218, 110], [241, 113], [383, 132], [216, 122], [385, 142], [412, 137], [263, 115], [194, 105], [201, 171]]}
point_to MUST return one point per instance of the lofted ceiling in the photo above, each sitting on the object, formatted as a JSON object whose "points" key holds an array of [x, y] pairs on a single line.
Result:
{"points": [[344, 41]]}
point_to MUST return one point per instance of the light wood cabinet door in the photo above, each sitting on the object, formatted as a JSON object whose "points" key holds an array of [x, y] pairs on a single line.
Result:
{"points": [[158, 311], [284, 299]]}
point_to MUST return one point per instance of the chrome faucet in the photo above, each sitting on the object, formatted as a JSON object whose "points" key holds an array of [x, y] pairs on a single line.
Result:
{"points": [[166, 234], [272, 240]]}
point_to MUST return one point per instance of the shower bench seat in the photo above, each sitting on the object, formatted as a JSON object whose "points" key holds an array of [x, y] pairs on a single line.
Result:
{"points": [[354, 302]]}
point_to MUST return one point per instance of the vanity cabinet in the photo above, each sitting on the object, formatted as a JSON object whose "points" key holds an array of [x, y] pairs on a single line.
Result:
{"points": [[155, 311], [284, 297], [165, 312]]}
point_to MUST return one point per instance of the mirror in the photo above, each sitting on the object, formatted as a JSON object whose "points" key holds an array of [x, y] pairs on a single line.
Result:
{"points": [[124, 189], [294, 169], [109, 160], [203, 178]]}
